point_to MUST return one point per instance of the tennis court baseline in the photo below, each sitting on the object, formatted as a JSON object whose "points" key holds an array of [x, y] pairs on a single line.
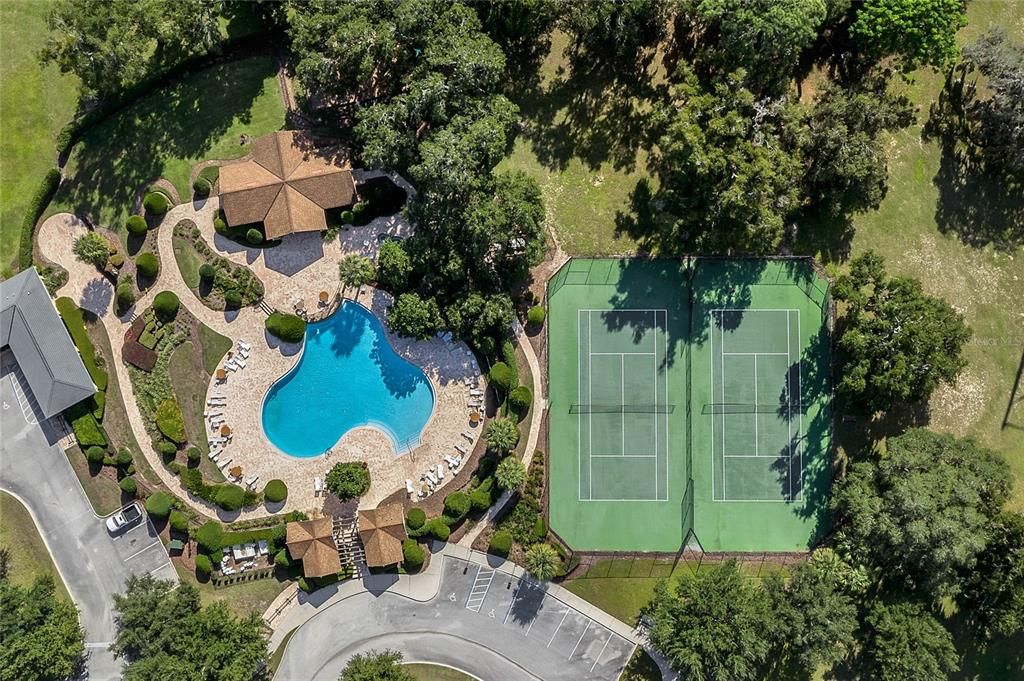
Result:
{"points": [[756, 414], [622, 405]]}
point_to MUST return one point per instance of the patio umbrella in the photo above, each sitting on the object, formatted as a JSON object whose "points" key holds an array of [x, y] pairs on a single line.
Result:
{"points": [[225, 431]]}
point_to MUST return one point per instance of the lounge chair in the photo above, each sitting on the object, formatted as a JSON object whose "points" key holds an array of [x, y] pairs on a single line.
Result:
{"points": [[431, 477], [249, 482], [242, 345], [462, 450], [264, 548], [209, 413], [223, 464], [244, 354], [239, 361], [318, 486], [440, 471], [408, 486], [468, 435], [476, 392]]}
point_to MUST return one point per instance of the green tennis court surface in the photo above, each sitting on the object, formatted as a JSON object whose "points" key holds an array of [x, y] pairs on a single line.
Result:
{"points": [[688, 399]]}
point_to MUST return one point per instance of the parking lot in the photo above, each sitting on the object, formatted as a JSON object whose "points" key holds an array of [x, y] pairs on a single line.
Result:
{"points": [[522, 607], [139, 548]]}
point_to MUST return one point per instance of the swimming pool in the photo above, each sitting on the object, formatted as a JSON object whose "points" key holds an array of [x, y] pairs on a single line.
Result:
{"points": [[348, 376]]}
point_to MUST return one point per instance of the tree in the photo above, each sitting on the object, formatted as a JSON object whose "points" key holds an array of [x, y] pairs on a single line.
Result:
{"points": [[481, 319], [916, 31], [376, 666], [355, 270], [92, 248], [501, 434], [999, 117], [510, 473], [542, 562], [846, 167], [165, 632], [348, 480], [393, 267], [727, 168], [896, 343], [907, 643], [921, 514], [765, 37], [415, 317], [994, 588], [713, 625], [607, 30], [40, 637]]}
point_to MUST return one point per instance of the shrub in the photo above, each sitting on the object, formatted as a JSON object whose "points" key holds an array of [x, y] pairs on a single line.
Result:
{"points": [[206, 271], [195, 455], [439, 529], [412, 555], [393, 266], [156, 202], [229, 497], [40, 200], [414, 316], [501, 543], [85, 426], [282, 560], [124, 457], [148, 265], [502, 376], [254, 236], [95, 455], [202, 187], [287, 327], [347, 217], [415, 517], [170, 422], [217, 556], [136, 224], [220, 225], [520, 399], [456, 505], [125, 294], [179, 521], [165, 304], [502, 435], [536, 315], [275, 491], [510, 473], [159, 504], [167, 448], [232, 299], [116, 260], [128, 485], [540, 529], [91, 248], [203, 565], [304, 584], [348, 480], [210, 536], [480, 499]]}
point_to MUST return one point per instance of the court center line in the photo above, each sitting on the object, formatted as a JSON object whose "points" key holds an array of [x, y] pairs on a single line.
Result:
{"points": [[755, 354], [711, 380], [579, 399], [757, 444], [721, 378], [800, 383], [564, 615], [581, 639], [624, 456], [622, 398], [590, 400], [789, 410]]}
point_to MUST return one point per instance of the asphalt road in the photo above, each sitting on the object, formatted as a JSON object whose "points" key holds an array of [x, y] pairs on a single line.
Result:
{"points": [[489, 624], [93, 564]]}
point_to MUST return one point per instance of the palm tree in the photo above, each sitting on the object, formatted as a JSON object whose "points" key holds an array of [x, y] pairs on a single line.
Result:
{"points": [[355, 270], [502, 435], [543, 562], [510, 473]]}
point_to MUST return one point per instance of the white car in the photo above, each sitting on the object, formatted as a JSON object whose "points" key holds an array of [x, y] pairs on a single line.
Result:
{"points": [[129, 515]]}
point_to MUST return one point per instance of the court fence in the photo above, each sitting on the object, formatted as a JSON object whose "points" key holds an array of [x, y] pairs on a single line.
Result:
{"points": [[689, 560]]}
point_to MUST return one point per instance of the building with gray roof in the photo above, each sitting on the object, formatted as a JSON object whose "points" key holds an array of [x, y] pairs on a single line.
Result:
{"points": [[33, 331]]}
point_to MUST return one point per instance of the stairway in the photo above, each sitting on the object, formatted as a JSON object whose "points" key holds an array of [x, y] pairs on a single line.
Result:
{"points": [[266, 308]]}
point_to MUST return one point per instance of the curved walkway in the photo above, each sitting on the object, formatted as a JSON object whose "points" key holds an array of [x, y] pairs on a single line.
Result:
{"points": [[297, 269]]}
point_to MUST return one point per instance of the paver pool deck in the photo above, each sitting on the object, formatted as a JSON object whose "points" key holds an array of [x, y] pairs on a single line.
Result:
{"points": [[299, 268]]}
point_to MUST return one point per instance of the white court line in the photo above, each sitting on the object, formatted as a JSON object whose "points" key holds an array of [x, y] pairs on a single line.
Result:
{"points": [[579, 399], [624, 354], [789, 411], [622, 400], [564, 615], [800, 385], [757, 444], [721, 378], [581, 639], [624, 456], [610, 634], [755, 354], [590, 400], [711, 379]]}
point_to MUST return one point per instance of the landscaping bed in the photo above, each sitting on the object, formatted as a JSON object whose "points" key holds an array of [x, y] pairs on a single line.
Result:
{"points": [[218, 282]]}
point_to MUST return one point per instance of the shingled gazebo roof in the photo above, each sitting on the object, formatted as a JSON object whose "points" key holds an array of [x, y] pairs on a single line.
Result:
{"points": [[287, 184], [311, 542], [382, 531]]}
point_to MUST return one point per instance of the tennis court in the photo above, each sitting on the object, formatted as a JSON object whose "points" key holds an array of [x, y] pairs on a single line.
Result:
{"points": [[622, 411], [755, 409]]}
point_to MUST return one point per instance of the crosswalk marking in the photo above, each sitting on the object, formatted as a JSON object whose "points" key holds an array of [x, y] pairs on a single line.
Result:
{"points": [[481, 585]]}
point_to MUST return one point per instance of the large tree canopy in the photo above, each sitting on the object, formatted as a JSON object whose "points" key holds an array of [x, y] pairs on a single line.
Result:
{"points": [[896, 343], [611, 30], [1000, 115], [921, 514], [907, 643], [917, 31], [376, 666], [727, 167], [164, 632], [994, 589], [40, 637]]}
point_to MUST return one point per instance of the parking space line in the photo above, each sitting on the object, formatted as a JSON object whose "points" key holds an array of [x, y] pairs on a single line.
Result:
{"points": [[515, 595], [610, 634], [156, 543], [564, 615], [581, 639]]}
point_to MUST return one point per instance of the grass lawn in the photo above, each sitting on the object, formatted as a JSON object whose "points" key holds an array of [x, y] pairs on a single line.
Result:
{"points": [[421, 671], [103, 492], [165, 134], [189, 380], [278, 655], [241, 599], [188, 261], [641, 668], [35, 103], [29, 556], [215, 346]]}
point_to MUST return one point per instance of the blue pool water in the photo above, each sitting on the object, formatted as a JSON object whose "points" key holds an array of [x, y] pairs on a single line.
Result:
{"points": [[349, 376]]}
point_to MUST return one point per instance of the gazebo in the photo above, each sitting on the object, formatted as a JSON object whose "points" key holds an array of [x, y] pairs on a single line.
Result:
{"points": [[382, 531], [312, 542]]}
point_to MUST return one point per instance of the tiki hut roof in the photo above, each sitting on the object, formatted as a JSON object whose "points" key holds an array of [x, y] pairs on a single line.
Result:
{"points": [[287, 184], [382, 531], [311, 542]]}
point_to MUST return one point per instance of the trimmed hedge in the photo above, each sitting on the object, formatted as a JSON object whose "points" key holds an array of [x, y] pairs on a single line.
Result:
{"points": [[502, 376], [206, 271], [85, 426], [439, 529], [128, 485], [480, 499], [210, 536], [166, 304], [287, 327], [275, 491], [179, 521], [501, 543], [148, 265], [156, 202], [195, 455], [40, 200], [540, 529], [166, 448], [412, 555], [229, 497], [72, 316], [536, 315], [456, 506], [254, 236], [136, 224], [159, 504], [232, 299], [95, 455], [520, 399], [415, 517], [170, 422], [348, 480], [125, 294], [202, 187], [123, 458], [282, 560], [203, 565]]}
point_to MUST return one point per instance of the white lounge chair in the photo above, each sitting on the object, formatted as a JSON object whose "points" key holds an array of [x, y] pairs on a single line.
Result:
{"points": [[244, 354], [318, 486], [408, 486], [468, 435], [242, 345], [223, 464], [440, 471], [431, 477], [476, 392], [462, 450], [249, 482], [209, 413], [239, 361]]}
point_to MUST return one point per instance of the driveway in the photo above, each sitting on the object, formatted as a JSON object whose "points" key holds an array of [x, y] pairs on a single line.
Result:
{"points": [[93, 564], [496, 626]]}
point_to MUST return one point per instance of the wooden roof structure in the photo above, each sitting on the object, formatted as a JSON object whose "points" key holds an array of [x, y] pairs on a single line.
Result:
{"points": [[286, 183], [312, 542], [382, 530]]}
